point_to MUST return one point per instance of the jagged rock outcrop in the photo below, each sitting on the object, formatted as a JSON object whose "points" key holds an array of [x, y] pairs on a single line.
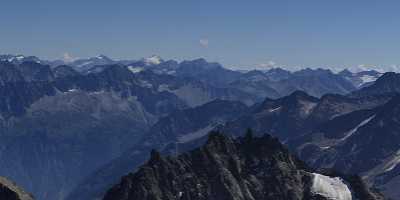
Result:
{"points": [[10, 191], [225, 169]]}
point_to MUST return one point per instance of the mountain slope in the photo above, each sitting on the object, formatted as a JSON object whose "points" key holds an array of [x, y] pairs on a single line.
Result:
{"points": [[361, 79], [364, 142], [296, 114], [169, 133], [279, 117], [71, 125], [10, 191], [207, 72], [246, 168], [388, 83], [315, 82], [276, 83]]}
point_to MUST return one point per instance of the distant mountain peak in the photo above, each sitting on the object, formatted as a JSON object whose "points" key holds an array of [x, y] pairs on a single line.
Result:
{"points": [[388, 83], [153, 60], [345, 72], [388, 76], [102, 57], [19, 58], [300, 95], [201, 63]]}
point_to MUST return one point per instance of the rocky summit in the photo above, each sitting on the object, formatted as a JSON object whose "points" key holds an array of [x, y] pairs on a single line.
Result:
{"points": [[246, 168]]}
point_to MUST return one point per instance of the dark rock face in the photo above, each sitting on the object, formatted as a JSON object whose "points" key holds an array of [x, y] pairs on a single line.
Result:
{"points": [[6, 193], [22, 85], [388, 83], [223, 169], [18, 96], [32, 71], [9, 191], [63, 71]]}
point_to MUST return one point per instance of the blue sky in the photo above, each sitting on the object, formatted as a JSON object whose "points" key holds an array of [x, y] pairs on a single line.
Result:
{"points": [[236, 33]]}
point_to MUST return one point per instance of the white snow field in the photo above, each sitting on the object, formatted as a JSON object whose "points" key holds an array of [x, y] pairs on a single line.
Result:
{"points": [[331, 188]]}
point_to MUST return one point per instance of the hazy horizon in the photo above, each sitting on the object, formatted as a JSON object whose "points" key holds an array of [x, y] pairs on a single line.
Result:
{"points": [[241, 35]]}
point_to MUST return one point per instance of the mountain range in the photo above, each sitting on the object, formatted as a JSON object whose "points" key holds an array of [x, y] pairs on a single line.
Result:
{"points": [[71, 130]]}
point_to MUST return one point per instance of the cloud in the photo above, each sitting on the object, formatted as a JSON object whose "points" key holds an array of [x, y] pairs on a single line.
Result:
{"points": [[204, 42], [68, 58]]}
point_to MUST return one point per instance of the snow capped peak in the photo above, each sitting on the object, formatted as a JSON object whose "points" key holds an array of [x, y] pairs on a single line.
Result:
{"points": [[102, 57], [379, 68], [19, 57], [153, 60], [11, 58]]}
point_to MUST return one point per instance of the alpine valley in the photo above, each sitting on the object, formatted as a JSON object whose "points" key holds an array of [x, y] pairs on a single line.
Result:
{"points": [[155, 129]]}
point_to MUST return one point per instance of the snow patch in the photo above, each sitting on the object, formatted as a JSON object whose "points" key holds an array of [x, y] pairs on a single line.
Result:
{"points": [[153, 60], [195, 135], [325, 147], [100, 57], [85, 63], [393, 162], [352, 131], [135, 69], [145, 84], [331, 188], [20, 57], [388, 164], [171, 72], [307, 107], [72, 90], [275, 109], [163, 88], [367, 79], [97, 92]]}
